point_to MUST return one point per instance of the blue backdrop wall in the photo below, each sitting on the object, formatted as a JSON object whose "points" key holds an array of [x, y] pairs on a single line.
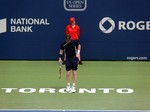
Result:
{"points": [[110, 29]]}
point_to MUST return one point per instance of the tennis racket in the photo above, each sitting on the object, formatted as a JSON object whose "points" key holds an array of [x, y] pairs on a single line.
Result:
{"points": [[60, 72]]}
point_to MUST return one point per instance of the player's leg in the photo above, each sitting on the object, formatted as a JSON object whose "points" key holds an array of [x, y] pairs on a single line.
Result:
{"points": [[68, 81], [74, 73], [80, 62], [74, 77], [68, 69]]}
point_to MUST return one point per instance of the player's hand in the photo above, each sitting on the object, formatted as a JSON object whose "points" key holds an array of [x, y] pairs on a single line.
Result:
{"points": [[60, 60]]}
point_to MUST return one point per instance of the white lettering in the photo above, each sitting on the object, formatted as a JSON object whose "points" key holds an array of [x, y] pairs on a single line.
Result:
{"points": [[125, 90], [131, 25], [12, 28], [148, 25], [13, 21], [122, 25], [106, 90], [50, 90], [62, 90], [30, 21], [27, 90], [9, 90], [82, 90], [21, 29], [140, 25]]}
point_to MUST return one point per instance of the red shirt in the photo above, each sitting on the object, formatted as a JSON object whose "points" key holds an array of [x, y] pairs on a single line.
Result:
{"points": [[73, 32]]}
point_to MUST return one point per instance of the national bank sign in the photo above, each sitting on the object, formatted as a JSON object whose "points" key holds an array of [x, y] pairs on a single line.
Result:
{"points": [[75, 5], [3, 25], [21, 24]]}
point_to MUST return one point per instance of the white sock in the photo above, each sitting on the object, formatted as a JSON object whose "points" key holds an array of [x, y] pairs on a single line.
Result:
{"points": [[68, 84], [74, 84]]}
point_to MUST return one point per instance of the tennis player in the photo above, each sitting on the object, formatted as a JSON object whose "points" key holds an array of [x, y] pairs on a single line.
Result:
{"points": [[72, 49], [74, 31]]}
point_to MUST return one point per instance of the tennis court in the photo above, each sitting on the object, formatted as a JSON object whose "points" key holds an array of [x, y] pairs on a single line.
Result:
{"points": [[101, 86]]}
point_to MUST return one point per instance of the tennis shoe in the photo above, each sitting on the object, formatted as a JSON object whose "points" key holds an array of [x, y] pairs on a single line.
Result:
{"points": [[67, 88], [73, 89]]}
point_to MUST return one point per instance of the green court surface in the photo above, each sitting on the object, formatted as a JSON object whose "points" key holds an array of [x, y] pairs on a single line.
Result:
{"points": [[128, 83]]}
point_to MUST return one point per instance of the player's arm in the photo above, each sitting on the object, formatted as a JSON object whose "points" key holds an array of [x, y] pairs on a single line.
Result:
{"points": [[61, 53], [78, 48]]}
